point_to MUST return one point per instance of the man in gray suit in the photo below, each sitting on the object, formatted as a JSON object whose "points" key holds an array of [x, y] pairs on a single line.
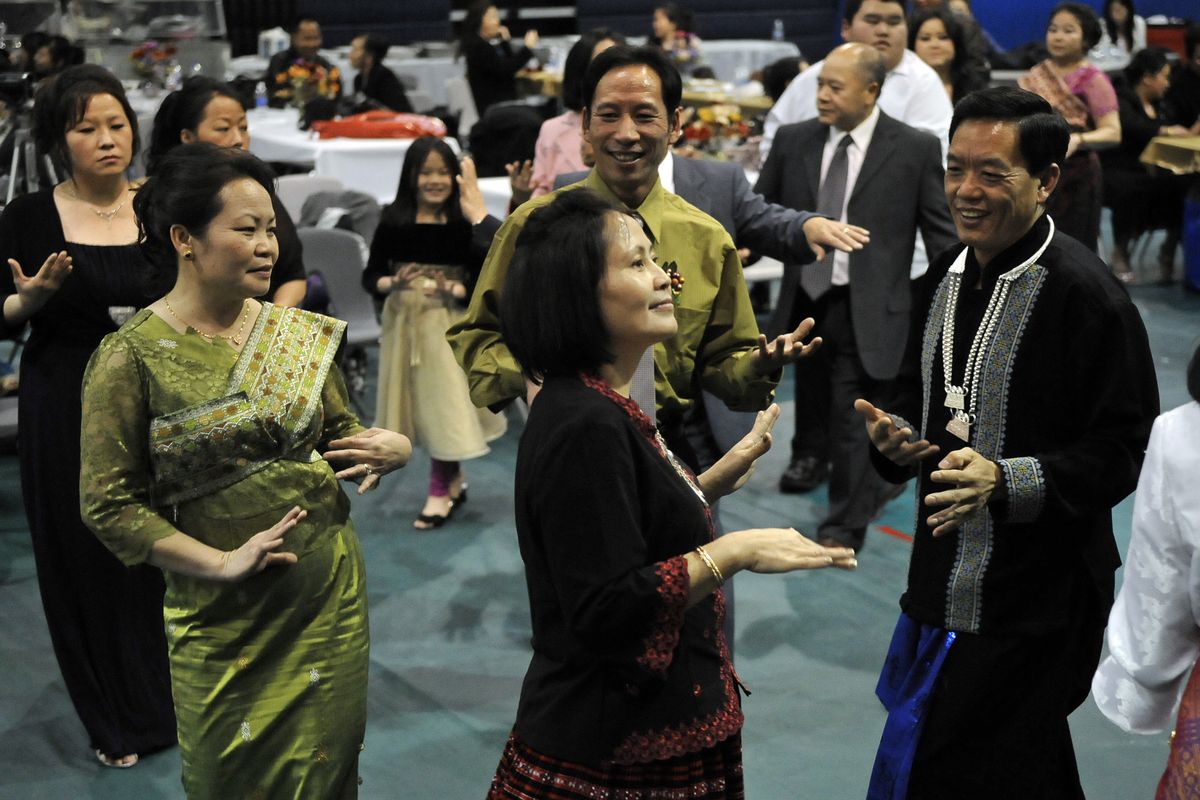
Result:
{"points": [[858, 165]]}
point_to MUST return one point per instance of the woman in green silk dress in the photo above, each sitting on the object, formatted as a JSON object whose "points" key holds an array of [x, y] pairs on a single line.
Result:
{"points": [[209, 424]]}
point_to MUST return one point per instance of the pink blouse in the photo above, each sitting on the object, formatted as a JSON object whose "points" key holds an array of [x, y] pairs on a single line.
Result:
{"points": [[557, 150]]}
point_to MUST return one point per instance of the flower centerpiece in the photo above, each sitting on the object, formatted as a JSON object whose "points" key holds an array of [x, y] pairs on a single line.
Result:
{"points": [[150, 61], [308, 80], [716, 128]]}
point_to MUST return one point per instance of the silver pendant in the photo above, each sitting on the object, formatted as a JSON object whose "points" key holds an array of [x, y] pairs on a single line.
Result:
{"points": [[955, 400], [958, 426]]}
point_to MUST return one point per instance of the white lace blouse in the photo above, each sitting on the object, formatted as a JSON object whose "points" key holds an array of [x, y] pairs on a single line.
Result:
{"points": [[1154, 628]]}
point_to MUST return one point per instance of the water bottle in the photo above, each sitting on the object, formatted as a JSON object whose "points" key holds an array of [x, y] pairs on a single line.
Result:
{"points": [[260, 95], [777, 31]]}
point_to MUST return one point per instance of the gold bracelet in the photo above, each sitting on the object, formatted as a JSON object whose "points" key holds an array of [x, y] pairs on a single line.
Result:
{"points": [[712, 565]]}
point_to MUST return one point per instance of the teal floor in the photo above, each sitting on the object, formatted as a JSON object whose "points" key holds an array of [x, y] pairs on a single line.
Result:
{"points": [[450, 630]]}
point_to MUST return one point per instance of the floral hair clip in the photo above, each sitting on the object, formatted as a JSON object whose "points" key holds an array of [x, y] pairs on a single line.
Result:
{"points": [[677, 280]]}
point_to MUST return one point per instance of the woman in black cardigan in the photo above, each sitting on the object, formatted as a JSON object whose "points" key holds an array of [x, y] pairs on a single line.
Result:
{"points": [[492, 63], [631, 685]]}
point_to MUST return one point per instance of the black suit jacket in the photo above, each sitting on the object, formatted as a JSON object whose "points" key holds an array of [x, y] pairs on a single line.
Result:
{"points": [[720, 189], [898, 191]]}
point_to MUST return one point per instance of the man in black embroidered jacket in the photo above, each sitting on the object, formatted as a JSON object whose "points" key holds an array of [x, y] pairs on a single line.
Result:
{"points": [[1035, 433]]}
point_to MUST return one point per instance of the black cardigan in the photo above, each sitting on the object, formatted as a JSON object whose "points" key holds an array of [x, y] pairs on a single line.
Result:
{"points": [[621, 671]]}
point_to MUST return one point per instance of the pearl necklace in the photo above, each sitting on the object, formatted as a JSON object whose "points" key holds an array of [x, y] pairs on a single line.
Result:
{"points": [[235, 338], [962, 412]]}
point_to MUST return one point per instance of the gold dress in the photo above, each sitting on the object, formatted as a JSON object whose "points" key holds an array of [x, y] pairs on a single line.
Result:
{"points": [[180, 433]]}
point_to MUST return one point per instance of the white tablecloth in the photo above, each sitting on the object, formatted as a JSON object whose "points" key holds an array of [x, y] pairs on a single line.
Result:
{"points": [[734, 59], [365, 165]]}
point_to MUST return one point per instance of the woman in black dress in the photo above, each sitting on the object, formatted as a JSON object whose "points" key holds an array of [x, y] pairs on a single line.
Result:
{"points": [[76, 273], [492, 62], [631, 685]]}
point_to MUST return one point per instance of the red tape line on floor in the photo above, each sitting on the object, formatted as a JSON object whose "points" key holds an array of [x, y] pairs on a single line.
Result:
{"points": [[904, 537]]}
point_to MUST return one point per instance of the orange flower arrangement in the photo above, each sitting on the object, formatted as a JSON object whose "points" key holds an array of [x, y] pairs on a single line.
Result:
{"points": [[309, 80], [149, 58]]}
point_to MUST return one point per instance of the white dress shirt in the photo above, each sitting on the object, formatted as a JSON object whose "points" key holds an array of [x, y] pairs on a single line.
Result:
{"points": [[855, 153], [1154, 627], [666, 173], [912, 93]]}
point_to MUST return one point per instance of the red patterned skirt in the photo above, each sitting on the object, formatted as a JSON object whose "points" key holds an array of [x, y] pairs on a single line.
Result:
{"points": [[714, 773]]}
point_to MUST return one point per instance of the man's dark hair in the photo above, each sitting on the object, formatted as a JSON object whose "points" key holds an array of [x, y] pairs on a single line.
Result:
{"points": [[296, 22], [1089, 23], [1042, 134], [550, 307], [1146, 63], [777, 75], [852, 7], [62, 53], [61, 102], [621, 55], [376, 46]]}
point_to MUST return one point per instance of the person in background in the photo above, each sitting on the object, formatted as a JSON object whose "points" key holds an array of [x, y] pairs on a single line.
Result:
{"points": [[1183, 97], [75, 274], [375, 86], [778, 75], [302, 56], [206, 110], [22, 55], [424, 260], [1154, 626], [212, 425], [1141, 196], [560, 144], [1087, 101], [492, 61], [623, 570], [54, 55], [993, 53], [1122, 28], [1011, 575], [936, 36], [674, 31]]}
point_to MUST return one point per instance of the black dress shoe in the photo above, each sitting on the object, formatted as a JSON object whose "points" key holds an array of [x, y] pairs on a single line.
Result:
{"points": [[803, 475]]}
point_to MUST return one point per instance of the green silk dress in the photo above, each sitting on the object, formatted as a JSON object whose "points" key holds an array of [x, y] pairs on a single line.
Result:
{"points": [[180, 433]]}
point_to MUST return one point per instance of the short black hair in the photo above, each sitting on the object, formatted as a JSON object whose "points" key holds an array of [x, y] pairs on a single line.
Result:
{"points": [[852, 7], [296, 22], [1193, 376], [682, 18], [62, 52], [1147, 62], [183, 110], [777, 75], [61, 102], [1089, 23], [1042, 133], [621, 55], [186, 191], [578, 58], [376, 45], [550, 307]]}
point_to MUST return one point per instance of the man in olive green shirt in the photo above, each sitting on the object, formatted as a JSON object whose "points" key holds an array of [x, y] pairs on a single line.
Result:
{"points": [[718, 347]]}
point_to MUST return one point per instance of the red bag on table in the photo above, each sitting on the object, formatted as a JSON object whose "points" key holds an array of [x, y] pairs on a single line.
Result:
{"points": [[380, 125]]}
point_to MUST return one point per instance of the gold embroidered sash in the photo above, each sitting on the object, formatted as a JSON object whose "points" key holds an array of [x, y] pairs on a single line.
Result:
{"points": [[270, 405]]}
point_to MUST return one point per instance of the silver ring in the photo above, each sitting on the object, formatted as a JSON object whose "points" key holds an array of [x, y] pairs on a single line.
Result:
{"points": [[369, 468]]}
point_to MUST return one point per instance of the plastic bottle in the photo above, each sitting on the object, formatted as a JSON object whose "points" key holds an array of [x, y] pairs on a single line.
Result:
{"points": [[260, 95], [777, 31]]}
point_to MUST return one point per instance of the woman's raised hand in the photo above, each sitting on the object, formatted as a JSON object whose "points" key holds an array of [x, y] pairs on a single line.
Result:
{"points": [[734, 468], [260, 550], [371, 453], [33, 292], [470, 198]]}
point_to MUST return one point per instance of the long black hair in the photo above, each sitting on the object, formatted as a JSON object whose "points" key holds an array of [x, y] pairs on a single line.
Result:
{"points": [[183, 110], [403, 210], [955, 32], [470, 25], [1125, 31]]}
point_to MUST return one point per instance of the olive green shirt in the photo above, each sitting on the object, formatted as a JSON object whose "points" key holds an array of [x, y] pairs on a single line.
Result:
{"points": [[717, 330]]}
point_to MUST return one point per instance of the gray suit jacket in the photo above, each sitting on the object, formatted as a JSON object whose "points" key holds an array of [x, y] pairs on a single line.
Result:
{"points": [[898, 191], [720, 189]]}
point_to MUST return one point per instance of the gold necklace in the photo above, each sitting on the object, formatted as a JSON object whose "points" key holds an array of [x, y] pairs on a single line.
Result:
{"points": [[107, 216], [235, 338]]}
